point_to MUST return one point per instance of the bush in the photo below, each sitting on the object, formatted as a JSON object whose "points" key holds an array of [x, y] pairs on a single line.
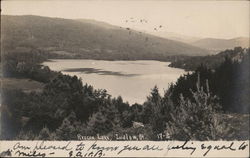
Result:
{"points": [[25, 135]]}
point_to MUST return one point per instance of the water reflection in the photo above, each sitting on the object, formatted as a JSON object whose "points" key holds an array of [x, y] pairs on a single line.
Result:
{"points": [[132, 80], [98, 71]]}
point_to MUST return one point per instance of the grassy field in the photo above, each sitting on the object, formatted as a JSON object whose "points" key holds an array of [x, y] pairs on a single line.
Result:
{"points": [[26, 85]]}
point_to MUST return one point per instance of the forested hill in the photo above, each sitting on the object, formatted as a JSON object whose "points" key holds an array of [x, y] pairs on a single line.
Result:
{"points": [[210, 61], [221, 44], [66, 38]]}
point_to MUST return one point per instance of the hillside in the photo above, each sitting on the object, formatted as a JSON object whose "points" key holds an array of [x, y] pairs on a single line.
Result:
{"points": [[222, 44], [65, 38], [211, 61], [176, 36]]}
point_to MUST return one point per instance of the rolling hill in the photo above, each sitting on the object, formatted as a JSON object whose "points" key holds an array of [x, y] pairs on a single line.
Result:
{"points": [[222, 44], [67, 38], [211, 61], [176, 36]]}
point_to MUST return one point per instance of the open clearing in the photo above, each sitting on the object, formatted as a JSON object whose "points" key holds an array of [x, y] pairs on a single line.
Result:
{"points": [[26, 85]]}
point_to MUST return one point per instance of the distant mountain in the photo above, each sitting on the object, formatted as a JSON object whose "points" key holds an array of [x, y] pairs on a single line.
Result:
{"points": [[212, 44], [222, 44], [91, 39], [176, 36], [98, 23]]}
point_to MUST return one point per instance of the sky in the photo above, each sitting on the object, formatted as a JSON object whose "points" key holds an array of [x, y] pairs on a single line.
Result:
{"points": [[213, 19]]}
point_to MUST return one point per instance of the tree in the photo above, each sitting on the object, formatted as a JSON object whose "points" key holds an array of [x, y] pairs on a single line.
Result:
{"points": [[45, 134], [99, 124], [197, 120], [69, 128], [153, 111]]}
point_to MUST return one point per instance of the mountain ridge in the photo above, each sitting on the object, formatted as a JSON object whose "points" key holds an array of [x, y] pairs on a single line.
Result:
{"points": [[218, 44], [176, 36], [85, 39]]}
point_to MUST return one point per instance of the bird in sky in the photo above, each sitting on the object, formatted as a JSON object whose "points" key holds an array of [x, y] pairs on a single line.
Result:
{"points": [[132, 19]]}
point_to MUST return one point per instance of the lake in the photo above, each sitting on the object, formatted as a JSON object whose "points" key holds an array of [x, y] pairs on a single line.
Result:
{"points": [[133, 80]]}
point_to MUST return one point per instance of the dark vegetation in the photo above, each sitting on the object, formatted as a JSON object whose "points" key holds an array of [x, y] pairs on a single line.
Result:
{"points": [[229, 80], [198, 106]]}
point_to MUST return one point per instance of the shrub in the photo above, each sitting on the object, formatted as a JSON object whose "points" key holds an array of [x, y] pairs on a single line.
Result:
{"points": [[25, 135]]}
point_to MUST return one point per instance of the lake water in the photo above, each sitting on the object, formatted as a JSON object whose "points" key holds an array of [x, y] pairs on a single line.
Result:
{"points": [[133, 80]]}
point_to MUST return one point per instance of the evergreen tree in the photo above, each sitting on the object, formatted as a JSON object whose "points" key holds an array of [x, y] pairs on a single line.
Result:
{"points": [[99, 124], [69, 128], [45, 134], [197, 120], [153, 111]]}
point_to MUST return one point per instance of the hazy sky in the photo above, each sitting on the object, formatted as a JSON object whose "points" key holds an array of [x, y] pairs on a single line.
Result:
{"points": [[217, 19]]}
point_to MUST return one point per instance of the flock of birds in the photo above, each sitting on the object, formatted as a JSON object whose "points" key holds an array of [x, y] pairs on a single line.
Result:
{"points": [[134, 20], [142, 21]]}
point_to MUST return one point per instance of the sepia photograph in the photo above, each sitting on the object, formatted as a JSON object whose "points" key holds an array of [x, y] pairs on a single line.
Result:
{"points": [[143, 70]]}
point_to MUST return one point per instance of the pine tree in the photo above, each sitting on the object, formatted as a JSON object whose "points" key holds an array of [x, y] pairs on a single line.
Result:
{"points": [[69, 128], [99, 124], [45, 134], [197, 119], [153, 111]]}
